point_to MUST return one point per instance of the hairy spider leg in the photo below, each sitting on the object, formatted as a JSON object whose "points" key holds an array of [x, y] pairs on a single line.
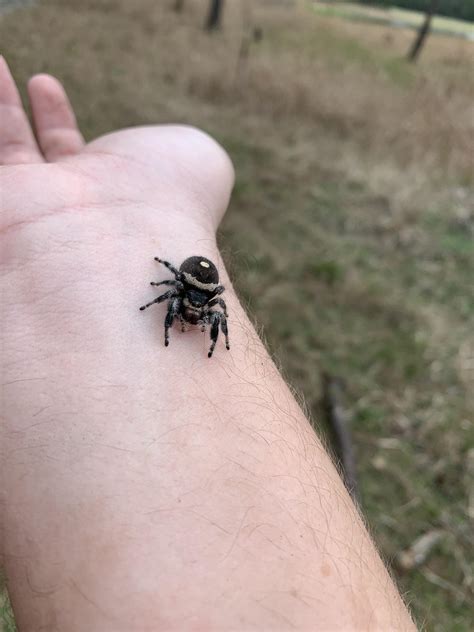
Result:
{"points": [[170, 266], [167, 282], [225, 331], [215, 318], [218, 301], [173, 310], [160, 299]]}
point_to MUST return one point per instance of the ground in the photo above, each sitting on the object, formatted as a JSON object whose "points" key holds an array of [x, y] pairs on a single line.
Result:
{"points": [[349, 233]]}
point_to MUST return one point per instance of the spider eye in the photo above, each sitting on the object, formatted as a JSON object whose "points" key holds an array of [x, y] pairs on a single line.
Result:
{"points": [[204, 264]]}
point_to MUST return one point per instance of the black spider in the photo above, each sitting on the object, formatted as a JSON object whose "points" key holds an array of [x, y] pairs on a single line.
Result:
{"points": [[195, 291]]}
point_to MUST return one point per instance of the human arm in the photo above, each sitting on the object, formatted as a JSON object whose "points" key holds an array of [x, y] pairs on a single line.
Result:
{"points": [[144, 487]]}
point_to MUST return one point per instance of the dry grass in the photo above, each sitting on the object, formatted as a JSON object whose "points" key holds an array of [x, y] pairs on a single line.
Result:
{"points": [[349, 235]]}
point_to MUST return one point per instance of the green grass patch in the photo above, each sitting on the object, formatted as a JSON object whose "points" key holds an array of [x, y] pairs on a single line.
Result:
{"points": [[7, 621]]}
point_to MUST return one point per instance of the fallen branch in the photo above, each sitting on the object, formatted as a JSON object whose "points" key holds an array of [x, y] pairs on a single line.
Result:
{"points": [[333, 397], [418, 552]]}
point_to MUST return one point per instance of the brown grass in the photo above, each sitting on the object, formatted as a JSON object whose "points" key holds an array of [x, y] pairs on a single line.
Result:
{"points": [[324, 72]]}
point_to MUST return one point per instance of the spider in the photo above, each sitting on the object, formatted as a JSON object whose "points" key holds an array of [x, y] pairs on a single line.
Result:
{"points": [[195, 292]]}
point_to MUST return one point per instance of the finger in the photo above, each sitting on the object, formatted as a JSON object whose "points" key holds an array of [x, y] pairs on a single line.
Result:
{"points": [[55, 123], [17, 142]]}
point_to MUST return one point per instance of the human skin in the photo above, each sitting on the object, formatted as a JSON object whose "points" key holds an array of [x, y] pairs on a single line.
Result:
{"points": [[144, 487]]}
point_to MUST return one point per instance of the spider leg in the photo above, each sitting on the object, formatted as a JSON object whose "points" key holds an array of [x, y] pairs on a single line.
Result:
{"points": [[219, 289], [225, 330], [160, 299], [173, 309], [170, 267], [214, 319], [218, 301], [167, 282]]}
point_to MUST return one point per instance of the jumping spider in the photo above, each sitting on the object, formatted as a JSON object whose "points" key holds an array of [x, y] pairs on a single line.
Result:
{"points": [[195, 292]]}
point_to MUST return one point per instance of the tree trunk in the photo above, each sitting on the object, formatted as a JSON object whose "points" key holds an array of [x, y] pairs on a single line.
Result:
{"points": [[215, 15], [423, 32]]}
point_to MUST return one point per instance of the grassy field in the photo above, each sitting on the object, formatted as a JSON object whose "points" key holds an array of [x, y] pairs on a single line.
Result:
{"points": [[349, 233]]}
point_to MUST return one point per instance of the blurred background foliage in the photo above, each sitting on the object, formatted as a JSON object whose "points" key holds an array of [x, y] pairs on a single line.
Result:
{"points": [[461, 9], [349, 236]]}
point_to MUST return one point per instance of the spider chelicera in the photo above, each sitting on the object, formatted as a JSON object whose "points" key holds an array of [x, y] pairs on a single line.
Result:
{"points": [[195, 291]]}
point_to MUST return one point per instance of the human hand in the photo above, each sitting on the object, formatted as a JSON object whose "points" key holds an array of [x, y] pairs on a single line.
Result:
{"points": [[80, 223]]}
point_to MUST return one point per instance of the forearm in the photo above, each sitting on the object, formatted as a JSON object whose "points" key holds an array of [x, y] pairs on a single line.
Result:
{"points": [[152, 488]]}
